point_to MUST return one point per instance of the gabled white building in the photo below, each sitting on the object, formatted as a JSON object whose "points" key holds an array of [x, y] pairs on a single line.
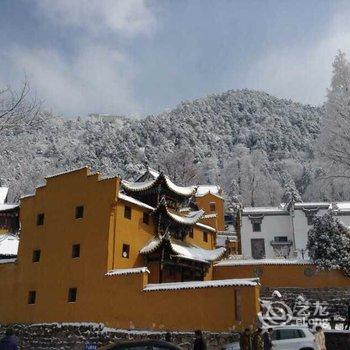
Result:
{"points": [[281, 232]]}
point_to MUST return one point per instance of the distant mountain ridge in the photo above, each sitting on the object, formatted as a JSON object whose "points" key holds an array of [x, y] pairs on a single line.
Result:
{"points": [[253, 118], [211, 127]]}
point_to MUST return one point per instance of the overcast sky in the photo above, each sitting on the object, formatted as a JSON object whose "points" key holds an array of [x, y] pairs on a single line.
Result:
{"points": [[135, 57]]}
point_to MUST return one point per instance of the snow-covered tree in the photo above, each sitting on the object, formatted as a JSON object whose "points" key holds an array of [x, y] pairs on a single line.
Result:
{"points": [[237, 139], [179, 165], [334, 141], [329, 243], [249, 177], [291, 194]]}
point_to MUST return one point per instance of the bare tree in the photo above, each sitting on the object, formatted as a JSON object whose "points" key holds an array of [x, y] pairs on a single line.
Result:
{"points": [[180, 166], [17, 107]]}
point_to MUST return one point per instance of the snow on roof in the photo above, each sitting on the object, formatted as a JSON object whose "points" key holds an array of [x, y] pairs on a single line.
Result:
{"points": [[262, 210], [206, 227], [27, 196], [145, 185], [203, 190], [312, 205], [190, 219], [244, 282], [184, 210], [5, 206], [3, 194], [185, 250], [282, 208], [221, 240], [341, 206], [193, 252], [134, 201], [151, 246], [153, 173], [185, 191], [137, 186], [210, 216], [199, 191], [8, 244], [67, 172], [134, 270], [242, 262], [8, 261]]}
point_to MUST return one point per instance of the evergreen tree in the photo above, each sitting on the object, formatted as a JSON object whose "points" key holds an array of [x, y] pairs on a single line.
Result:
{"points": [[291, 193], [334, 141], [329, 243]]}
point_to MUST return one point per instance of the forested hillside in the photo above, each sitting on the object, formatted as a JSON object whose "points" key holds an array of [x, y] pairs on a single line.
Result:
{"points": [[253, 144]]}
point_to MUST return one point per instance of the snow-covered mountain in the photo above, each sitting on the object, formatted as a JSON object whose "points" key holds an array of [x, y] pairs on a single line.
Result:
{"points": [[232, 136]]}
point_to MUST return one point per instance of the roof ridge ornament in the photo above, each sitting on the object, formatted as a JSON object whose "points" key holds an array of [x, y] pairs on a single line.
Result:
{"points": [[183, 191]]}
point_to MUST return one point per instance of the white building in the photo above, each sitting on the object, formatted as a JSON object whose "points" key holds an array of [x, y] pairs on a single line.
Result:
{"points": [[275, 232]]}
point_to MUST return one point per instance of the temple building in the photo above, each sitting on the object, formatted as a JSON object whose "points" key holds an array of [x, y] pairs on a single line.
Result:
{"points": [[129, 254], [136, 254], [183, 247]]}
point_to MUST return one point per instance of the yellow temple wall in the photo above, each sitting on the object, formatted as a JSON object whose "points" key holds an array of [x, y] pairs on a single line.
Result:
{"points": [[8, 292], [204, 203], [132, 232], [198, 238], [118, 301], [280, 276]]}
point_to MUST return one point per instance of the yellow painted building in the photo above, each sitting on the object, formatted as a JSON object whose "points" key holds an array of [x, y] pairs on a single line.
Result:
{"points": [[128, 254]]}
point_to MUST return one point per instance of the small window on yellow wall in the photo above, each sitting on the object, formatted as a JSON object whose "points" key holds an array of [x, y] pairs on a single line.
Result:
{"points": [[212, 206], [145, 218], [127, 212], [126, 251], [72, 295], [40, 219], [79, 212], [205, 236], [191, 233], [36, 255], [31, 297], [75, 251]]}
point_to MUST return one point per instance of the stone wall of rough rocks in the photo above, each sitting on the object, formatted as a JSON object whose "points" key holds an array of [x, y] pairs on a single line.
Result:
{"points": [[76, 336], [337, 299], [337, 340]]}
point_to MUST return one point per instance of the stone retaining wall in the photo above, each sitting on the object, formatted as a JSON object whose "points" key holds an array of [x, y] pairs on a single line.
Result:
{"points": [[75, 336], [336, 298], [337, 340]]}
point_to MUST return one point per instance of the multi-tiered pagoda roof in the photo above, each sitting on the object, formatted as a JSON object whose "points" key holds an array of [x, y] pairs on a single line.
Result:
{"points": [[174, 220]]}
